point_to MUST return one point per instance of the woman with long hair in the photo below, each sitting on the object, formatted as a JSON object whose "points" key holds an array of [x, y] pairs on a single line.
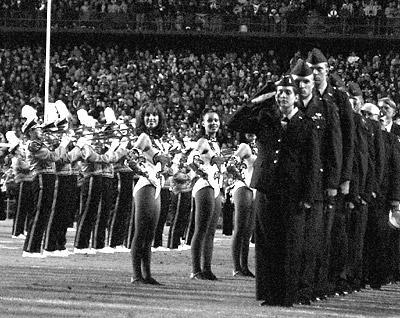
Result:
{"points": [[241, 167], [205, 160], [151, 125]]}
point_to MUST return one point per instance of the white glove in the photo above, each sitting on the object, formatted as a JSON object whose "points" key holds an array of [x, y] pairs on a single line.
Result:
{"points": [[81, 142]]}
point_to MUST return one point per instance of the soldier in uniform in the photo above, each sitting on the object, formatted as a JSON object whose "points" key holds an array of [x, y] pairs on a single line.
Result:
{"points": [[326, 117], [43, 162], [389, 110], [380, 238], [350, 222], [284, 176], [319, 64]]}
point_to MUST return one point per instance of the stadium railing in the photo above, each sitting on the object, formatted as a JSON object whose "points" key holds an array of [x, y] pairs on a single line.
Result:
{"points": [[220, 24]]}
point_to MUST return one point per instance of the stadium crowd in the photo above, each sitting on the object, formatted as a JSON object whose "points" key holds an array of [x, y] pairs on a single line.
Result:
{"points": [[380, 17], [183, 81]]}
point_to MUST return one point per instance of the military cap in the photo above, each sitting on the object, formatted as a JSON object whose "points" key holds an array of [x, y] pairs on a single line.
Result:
{"points": [[301, 69], [316, 57], [354, 89], [286, 80]]}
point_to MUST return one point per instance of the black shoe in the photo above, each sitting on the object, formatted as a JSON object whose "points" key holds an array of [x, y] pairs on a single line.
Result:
{"points": [[209, 275], [248, 273], [376, 286], [304, 301], [151, 281]]}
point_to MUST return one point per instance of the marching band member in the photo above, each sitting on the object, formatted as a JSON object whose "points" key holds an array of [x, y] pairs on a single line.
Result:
{"points": [[206, 159], [122, 210], [108, 190], [23, 178], [242, 170], [43, 162], [91, 171], [65, 198], [151, 125]]}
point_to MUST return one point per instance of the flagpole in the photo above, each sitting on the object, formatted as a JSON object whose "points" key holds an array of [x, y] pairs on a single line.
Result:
{"points": [[47, 74]]}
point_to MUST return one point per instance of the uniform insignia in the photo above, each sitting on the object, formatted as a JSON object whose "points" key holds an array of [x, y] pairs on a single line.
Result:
{"points": [[317, 116], [34, 146]]}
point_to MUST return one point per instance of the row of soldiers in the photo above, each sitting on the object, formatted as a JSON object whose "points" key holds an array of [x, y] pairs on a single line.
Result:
{"points": [[344, 233]]}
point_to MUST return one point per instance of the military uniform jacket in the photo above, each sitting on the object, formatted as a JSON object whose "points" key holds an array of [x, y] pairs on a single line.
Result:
{"points": [[326, 118], [363, 130], [340, 98], [376, 159], [285, 165], [390, 186]]}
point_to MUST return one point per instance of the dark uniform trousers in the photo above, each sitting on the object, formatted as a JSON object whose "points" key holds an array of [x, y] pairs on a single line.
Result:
{"points": [[189, 231], [312, 244], [165, 203], [357, 226], [43, 193], [123, 206], [377, 240], [108, 195], [181, 204], [24, 208], [65, 197], [338, 251], [89, 206], [227, 215], [279, 237]]}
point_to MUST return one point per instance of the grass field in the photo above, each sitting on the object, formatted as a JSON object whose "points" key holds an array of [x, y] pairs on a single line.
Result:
{"points": [[99, 286]]}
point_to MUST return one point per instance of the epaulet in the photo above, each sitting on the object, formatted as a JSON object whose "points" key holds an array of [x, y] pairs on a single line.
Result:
{"points": [[34, 146]]}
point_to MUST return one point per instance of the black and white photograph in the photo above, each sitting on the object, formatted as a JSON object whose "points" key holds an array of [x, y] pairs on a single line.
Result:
{"points": [[200, 158]]}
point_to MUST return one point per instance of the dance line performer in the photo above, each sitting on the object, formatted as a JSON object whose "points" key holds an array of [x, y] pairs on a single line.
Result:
{"points": [[150, 126], [206, 161], [243, 198]]}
